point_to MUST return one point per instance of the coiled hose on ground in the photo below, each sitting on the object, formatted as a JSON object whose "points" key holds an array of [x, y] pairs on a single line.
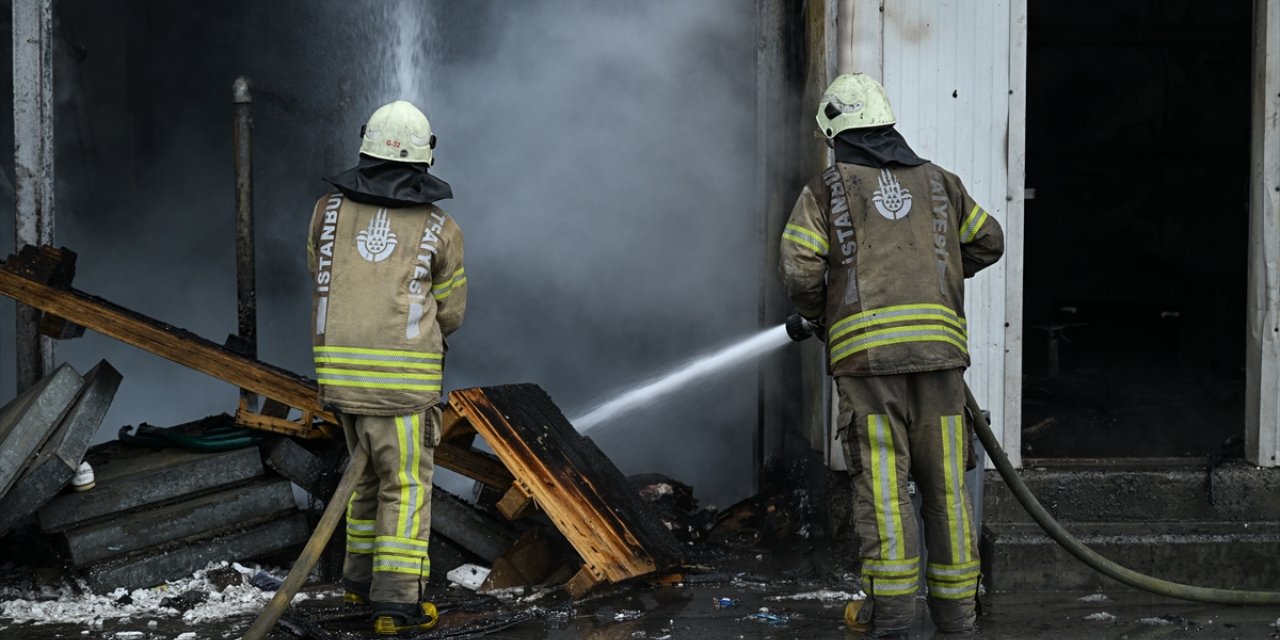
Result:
{"points": [[1090, 557]]}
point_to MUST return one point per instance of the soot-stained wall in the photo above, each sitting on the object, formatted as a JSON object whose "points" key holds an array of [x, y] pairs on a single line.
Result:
{"points": [[602, 159]]}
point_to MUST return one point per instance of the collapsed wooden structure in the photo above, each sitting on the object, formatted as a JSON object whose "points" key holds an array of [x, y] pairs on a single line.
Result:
{"points": [[541, 462]]}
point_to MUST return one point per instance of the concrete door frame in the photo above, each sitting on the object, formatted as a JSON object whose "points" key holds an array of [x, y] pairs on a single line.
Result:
{"points": [[1262, 360]]}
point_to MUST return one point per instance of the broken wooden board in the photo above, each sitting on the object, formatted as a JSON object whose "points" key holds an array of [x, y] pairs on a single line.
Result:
{"points": [[571, 481], [27, 277]]}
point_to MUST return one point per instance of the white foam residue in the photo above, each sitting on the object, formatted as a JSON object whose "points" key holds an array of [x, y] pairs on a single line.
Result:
{"points": [[1155, 622], [825, 595], [77, 606], [1101, 616], [1097, 597]]}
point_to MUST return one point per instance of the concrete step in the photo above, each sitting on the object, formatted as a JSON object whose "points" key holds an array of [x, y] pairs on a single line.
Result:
{"points": [[130, 477], [1021, 557], [1136, 490], [153, 527], [152, 566], [52, 468], [28, 420]]}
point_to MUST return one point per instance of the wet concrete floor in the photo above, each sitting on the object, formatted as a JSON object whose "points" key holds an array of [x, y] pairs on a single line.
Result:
{"points": [[663, 613]]}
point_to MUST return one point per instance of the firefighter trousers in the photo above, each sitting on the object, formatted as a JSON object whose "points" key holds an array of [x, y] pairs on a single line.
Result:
{"points": [[389, 515], [913, 425]]}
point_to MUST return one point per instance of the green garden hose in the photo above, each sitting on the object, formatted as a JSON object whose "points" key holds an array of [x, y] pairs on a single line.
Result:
{"points": [[1090, 557]]}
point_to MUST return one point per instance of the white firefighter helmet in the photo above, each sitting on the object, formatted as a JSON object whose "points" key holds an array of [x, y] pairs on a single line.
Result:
{"points": [[399, 132], [853, 101]]}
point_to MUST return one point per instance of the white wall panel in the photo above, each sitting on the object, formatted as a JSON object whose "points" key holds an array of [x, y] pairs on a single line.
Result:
{"points": [[946, 68]]}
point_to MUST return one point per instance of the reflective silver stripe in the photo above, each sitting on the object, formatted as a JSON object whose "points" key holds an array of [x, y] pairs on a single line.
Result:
{"points": [[407, 356], [952, 592], [942, 571], [875, 567], [359, 547], [381, 562], [882, 441], [389, 379], [359, 526], [894, 586], [322, 314], [958, 519], [400, 548]]}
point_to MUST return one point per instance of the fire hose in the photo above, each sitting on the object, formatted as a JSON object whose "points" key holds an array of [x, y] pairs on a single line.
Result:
{"points": [[333, 513], [799, 329]]}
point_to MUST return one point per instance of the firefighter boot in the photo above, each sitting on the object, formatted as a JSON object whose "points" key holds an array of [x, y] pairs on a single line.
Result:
{"points": [[953, 618], [355, 592], [390, 618], [860, 615]]}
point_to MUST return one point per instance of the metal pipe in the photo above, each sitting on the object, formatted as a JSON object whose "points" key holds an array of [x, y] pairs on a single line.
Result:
{"points": [[246, 283], [33, 165]]}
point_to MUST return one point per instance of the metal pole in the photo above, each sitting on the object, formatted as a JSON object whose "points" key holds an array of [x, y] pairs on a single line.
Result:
{"points": [[246, 284], [33, 165]]}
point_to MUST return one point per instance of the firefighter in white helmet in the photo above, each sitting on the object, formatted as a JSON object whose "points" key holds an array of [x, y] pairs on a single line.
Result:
{"points": [[388, 286], [876, 251]]}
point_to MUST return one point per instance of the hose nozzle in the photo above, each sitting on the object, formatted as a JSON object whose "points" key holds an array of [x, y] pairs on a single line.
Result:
{"points": [[798, 328]]}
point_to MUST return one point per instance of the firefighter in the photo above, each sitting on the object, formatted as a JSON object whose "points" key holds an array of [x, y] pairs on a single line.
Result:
{"points": [[388, 287], [875, 254]]}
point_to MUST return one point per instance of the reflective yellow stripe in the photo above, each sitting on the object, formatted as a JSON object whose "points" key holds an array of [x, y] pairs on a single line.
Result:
{"points": [[896, 313], [884, 488], [429, 366], [898, 335], [972, 224], [806, 238]]}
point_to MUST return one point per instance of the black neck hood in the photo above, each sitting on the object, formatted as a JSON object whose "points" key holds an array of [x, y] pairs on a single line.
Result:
{"points": [[879, 147], [391, 184]]}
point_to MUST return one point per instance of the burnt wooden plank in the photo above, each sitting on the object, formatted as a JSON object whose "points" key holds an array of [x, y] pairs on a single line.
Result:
{"points": [[574, 483]]}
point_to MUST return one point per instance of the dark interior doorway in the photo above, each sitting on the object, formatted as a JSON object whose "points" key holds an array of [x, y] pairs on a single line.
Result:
{"points": [[1137, 233]]}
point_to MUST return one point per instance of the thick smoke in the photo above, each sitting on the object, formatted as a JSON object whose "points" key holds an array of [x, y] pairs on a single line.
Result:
{"points": [[601, 153]]}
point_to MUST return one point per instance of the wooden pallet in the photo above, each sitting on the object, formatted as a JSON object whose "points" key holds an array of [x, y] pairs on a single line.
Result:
{"points": [[564, 475]]}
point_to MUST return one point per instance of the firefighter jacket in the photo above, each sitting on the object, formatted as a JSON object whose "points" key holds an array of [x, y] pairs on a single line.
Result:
{"points": [[879, 257], [388, 286]]}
